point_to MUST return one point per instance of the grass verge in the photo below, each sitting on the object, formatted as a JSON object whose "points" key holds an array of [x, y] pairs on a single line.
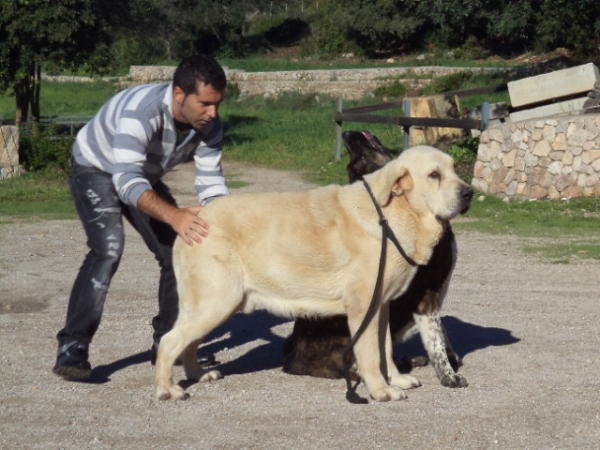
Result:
{"points": [[558, 230]]}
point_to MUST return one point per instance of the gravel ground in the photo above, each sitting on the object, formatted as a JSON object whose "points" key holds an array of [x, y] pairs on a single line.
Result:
{"points": [[530, 356]]}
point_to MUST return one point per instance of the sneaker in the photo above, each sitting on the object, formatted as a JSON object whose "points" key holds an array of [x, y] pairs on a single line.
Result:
{"points": [[204, 359], [72, 363]]}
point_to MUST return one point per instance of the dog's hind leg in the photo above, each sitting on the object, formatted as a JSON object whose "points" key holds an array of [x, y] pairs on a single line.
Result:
{"points": [[188, 332], [435, 341], [205, 302]]}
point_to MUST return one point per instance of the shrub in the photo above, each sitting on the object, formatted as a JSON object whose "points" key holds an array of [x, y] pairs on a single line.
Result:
{"points": [[464, 153], [46, 151], [395, 89]]}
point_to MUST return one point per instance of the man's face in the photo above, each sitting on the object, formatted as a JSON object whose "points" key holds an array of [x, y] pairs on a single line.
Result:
{"points": [[198, 109]]}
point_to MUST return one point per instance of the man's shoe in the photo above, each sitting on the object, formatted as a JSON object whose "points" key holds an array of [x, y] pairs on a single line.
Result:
{"points": [[72, 363], [204, 359]]}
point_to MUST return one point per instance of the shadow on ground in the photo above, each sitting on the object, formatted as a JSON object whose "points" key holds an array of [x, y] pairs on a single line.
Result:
{"points": [[465, 338]]}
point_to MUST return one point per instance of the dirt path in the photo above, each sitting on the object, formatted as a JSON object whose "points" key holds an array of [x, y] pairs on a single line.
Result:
{"points": [[528, 332]]}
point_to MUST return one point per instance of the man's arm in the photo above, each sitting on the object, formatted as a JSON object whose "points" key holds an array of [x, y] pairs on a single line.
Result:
{"points": [[184, 221]]}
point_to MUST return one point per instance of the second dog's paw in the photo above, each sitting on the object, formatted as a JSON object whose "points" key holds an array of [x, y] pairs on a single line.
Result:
{"points": [[454, 381], [213, 375]]}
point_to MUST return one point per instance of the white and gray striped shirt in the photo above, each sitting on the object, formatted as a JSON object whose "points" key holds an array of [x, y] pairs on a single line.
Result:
{"points": [[133, 137]]}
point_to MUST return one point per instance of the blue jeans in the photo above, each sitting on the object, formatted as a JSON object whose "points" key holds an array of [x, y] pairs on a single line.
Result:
{"points": [[101, 213]]}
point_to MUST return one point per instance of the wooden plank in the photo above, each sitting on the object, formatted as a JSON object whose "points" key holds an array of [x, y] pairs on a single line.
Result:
{"points": [[574, 81], [553, 109], [478, 91], [377, 107], [467, 124]]}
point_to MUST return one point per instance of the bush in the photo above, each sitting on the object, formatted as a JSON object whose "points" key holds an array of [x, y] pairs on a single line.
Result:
{"points": [[395, 90], [39, 152], [464, 153]]}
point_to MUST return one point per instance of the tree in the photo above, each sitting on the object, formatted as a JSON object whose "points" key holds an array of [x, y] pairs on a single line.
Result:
{"points": [[59, 34]]}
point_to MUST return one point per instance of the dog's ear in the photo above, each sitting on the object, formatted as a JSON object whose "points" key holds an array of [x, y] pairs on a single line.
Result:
{"points": [[393, 180]]}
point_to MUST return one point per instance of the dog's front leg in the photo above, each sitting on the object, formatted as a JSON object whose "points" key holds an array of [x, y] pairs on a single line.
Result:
{"points": [[368, 350], [435, 342], [394, 377]]}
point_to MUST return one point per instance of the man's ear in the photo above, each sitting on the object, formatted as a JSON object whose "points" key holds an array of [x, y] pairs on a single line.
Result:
{"points": [[178, 95]]}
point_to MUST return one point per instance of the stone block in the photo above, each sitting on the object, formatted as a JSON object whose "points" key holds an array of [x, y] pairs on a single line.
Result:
{"points": [[566, 107], [437, 106], [9, 145], [560, 83]]}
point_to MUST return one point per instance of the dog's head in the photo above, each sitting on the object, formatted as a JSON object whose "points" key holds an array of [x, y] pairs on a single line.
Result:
{"points": [[425, 176], [367, 154]]}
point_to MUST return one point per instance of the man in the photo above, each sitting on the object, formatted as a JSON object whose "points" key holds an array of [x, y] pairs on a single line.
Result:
{"points": [[117, 163]]}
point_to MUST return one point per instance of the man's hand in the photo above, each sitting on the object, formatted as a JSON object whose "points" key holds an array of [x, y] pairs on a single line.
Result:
{"points": [[184, 221], [188, 225]]}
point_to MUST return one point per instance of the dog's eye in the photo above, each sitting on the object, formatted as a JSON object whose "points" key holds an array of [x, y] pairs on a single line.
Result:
{"points": [[435, 175]]}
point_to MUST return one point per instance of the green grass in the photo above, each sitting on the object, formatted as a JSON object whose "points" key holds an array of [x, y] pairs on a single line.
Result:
{"points": [[566, 229], [258, 64], [36, 196], [293, 132], [64, 99]]}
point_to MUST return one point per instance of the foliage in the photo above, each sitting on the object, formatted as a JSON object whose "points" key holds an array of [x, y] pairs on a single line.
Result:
{"points": [[63, 33], [47, 151], [327, 37], [464, 153], [395, 89]]}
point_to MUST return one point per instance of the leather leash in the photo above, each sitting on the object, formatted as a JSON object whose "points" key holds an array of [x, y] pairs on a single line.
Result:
{"points": [[387, 233]]}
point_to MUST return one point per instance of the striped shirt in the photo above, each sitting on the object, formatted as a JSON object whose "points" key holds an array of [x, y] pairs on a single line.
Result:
{"points": [[133, 137]]}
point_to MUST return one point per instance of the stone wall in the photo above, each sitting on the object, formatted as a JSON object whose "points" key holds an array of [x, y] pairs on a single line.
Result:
{"points": [[9, 152], [557, 157], [346, 83]]}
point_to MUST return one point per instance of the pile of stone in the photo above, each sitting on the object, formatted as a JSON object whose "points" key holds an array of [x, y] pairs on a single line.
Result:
{"points": [[9, 152], [550, 147]]}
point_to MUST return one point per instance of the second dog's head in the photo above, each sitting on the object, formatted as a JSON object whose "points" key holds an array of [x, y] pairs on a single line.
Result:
{"points": [[367, 154]]}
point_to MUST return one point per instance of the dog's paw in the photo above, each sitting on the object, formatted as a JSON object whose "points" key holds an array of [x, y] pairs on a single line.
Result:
{"points": [[404, 381], [172, 392], [213, 375], [388, 393], [454, 381]]}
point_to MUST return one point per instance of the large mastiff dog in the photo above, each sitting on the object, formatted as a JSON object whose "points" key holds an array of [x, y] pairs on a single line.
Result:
{"points": [[316, 345], [314, 253]]}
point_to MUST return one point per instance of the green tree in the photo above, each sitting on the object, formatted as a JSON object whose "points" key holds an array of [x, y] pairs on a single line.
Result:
{"points": [[59, 34]]}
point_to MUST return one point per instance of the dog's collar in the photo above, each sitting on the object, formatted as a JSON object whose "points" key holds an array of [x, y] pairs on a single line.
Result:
{"points": [[387, 231]]}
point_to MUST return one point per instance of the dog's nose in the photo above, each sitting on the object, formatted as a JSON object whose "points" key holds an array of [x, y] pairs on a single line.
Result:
{"points": [[467, 193]]}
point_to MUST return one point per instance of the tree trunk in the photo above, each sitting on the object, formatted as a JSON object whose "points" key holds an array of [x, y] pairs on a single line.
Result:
{"points": [[36, 81], [22, 94]]}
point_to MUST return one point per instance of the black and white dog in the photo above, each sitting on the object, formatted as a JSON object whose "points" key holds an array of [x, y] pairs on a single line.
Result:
{"points": [[315, 346]]}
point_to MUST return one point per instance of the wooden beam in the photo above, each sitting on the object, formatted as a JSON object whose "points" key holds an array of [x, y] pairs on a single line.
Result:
{"points": [[467, 124]]}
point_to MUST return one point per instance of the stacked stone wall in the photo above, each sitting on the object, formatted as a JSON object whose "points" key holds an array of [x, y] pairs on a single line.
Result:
{"points": [[346, 83], [547, 158], [9, 152]]}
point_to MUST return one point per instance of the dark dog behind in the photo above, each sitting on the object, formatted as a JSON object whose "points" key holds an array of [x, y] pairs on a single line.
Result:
{"points": [[315, 346]]}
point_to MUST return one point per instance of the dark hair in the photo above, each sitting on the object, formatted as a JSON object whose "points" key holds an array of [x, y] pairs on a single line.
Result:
{"points": [[199, 69]]}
